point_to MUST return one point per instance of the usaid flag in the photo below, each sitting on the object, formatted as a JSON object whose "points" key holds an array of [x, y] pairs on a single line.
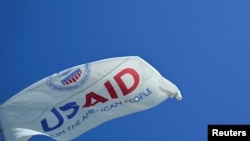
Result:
{"points": [[66, 104]]}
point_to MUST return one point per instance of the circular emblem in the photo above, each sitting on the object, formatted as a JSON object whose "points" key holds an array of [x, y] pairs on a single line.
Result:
{"points": [[69, 79]]}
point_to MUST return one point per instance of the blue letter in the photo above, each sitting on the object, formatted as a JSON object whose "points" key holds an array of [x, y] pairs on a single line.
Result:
{"points": [[45, 125], [71, 105]]}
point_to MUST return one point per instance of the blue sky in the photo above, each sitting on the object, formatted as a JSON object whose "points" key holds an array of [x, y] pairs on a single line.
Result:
{"points": [[201, 46]]}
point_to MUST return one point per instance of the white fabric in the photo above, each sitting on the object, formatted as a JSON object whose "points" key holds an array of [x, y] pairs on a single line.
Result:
{"points": [[69, 103]]}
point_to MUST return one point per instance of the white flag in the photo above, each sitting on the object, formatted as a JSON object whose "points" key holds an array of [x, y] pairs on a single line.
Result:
{"points": [[66, 104]]}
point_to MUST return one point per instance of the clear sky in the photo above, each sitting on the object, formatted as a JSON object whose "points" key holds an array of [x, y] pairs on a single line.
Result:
{"points": [[201, 46]]}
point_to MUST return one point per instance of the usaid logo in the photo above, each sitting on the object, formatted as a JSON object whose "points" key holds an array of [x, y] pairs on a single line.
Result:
{"points": [[70, 110], [69, 80]]}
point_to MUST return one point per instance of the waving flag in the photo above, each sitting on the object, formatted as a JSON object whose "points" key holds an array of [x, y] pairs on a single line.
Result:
{"points": [[66, 104]]}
